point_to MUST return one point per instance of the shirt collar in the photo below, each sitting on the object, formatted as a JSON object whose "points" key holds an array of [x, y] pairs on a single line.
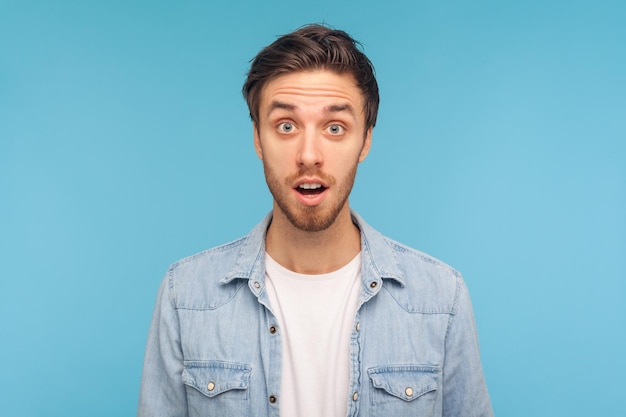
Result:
{"points": [[378, 257]]}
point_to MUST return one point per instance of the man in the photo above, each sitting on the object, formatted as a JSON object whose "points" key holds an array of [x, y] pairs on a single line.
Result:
{"points": [[313, 313]]}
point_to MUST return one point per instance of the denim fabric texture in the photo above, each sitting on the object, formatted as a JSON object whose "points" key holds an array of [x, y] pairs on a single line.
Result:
{"points": [[214, 346]]}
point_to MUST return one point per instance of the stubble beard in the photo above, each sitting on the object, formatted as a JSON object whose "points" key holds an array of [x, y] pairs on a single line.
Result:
{"points": [[309, 218]]}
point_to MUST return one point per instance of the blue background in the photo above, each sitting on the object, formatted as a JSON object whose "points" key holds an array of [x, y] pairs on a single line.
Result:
{"points": [[500, 148]]}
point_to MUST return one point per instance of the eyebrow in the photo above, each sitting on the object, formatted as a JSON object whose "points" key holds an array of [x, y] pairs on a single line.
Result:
{"points": [[335, 108], [340, 108], [280, 105]]}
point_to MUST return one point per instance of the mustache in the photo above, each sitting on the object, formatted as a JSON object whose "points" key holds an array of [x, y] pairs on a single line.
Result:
{"points": [[310, 172]]}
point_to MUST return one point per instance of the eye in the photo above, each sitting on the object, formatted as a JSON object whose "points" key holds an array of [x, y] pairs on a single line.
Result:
{"points": [[336, 129], [286, 127]]}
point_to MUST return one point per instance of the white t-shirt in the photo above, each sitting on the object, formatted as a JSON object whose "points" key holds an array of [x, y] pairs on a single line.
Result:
{"points": [[315, 314]]}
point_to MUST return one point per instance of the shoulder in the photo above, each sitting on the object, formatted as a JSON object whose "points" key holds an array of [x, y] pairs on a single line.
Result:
{"points": [[214, 260], [211, 278], [430, 285], [197, 282], [417, 281], [413, 260]]}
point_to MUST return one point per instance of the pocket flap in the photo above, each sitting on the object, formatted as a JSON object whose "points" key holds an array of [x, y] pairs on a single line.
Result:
{"points": [[215, 377], [406, 382]]}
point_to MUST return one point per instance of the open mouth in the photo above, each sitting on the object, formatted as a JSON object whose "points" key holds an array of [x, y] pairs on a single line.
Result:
{"points": [[310, 188]]}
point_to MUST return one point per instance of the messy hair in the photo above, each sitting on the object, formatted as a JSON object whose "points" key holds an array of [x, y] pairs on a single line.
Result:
{"points": [[313, 47]]}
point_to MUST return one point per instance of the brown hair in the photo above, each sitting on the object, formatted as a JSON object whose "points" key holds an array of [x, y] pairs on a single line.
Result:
{"points": [[312, 47]]}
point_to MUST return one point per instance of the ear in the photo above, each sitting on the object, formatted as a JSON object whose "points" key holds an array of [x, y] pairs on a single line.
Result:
{"points": [[257, 141], [367, 143]]}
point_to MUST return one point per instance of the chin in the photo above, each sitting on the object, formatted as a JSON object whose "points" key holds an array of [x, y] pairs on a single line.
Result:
{"points": [[313, 219]]}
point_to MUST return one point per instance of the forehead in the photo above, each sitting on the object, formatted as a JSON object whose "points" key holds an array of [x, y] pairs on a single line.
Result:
{"points": [[321, 88]]}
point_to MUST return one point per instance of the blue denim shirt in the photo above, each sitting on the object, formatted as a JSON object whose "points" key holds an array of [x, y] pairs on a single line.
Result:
{"points": [[214, 347]]}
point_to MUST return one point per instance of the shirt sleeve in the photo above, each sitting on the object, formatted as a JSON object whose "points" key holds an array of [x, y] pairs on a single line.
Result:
{"points": [[162, 392], [464, 387]]}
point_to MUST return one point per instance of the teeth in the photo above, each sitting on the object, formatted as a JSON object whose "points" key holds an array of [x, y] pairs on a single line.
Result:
{"points": [[307, 186]]}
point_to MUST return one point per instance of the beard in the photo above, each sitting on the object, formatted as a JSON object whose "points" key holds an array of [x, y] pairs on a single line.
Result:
{"points": [[310, 218]]}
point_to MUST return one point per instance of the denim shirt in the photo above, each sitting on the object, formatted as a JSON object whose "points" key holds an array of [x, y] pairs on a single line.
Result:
{"points": [[214, 346]]}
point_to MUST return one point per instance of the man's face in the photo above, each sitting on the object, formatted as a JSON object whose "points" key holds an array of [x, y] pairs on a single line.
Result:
{"points": [[311, 136]]}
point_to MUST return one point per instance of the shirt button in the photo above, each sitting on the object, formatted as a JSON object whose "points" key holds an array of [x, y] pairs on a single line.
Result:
{"points": [[273, 329], [358, 326], [210, 386], [408, 391], [257, 285], [272, 399], [373, 284], [355, 396]]}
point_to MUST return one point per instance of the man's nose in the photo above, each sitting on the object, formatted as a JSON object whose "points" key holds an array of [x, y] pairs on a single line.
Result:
{"points": [[310, 152]]}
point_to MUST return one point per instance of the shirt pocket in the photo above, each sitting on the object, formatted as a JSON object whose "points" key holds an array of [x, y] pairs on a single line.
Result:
{"points": [[216, 388], [404, 390]]}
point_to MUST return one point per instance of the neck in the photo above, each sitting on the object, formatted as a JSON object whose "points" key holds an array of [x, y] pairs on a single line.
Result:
{"points": [[313, 252]]}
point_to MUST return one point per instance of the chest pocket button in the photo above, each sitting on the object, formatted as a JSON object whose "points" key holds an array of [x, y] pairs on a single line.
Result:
{"points": [[407, 382], [215, 377]]}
